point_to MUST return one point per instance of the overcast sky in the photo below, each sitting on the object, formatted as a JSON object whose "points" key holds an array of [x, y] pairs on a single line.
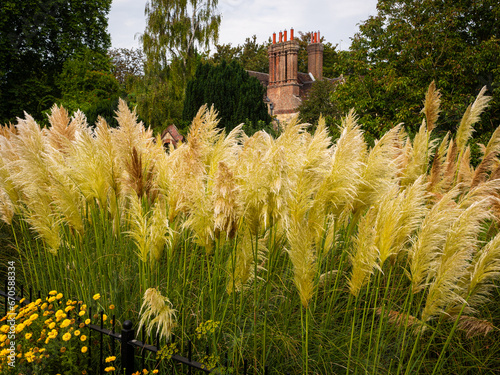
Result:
{"points": [[336, 20]]}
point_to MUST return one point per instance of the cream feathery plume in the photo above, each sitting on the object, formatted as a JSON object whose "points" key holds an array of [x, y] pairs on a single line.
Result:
{"points": [[9, 199], [304, 224], [91, 165], [470, 117], [342, 177], [431, 106], [61, 132], [446, 289], [226, 203], [400, 213], [138, 224], [426, 248], [381, 169], [365, 253], [160, 233], [303, 257], [157, 310], [33, 179], [252, 168], [465, 170], [438, 164], [489, 160], [150, 229], [485, 269], [244, 266], [419, 156], [67, 199]]}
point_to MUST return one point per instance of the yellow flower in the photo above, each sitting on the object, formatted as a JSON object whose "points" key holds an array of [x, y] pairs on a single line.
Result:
{"points": [[51, 299], [63, 349], [83, 337], [144, 371], [5, 329], [109, 369], [96, 296], [66, 336], [87, 321], [81, 313], [34, 317], [28, 336], [20, 328], [111, 307], [52, 293], [69, 308], [104, 317], [155, 371], [59, 296], [110, 359], [65, 323], [38, 301], [52, 325], [77, 333], [22, 300], [81, 325], [84, 349]]}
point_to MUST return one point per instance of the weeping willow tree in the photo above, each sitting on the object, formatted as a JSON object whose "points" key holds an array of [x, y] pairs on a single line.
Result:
{"points": [[175, 32]]}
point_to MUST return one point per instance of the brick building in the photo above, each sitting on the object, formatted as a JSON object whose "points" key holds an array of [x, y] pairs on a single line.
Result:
{"points": [[286, 87]]}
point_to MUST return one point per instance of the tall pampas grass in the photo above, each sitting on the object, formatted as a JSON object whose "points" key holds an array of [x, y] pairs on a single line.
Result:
{"points": [[427, 245], [365, 254], [461, 242], [470, 117]]}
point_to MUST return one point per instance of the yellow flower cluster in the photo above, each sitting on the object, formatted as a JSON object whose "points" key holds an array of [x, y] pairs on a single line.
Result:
{"points": [[37, 327], [207, 327]]}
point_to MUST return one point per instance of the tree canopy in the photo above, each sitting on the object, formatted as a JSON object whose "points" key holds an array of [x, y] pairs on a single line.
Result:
{"points": [[235, 95], [406, 46], [36, 38]]}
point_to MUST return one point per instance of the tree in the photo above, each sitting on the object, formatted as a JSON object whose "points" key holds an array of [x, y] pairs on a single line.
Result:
{"points": [[87, 83], [128, 63], [175, 31], [36, 38], [251, 55], [235, 95], [407, 45], [318, 103], [176, 28]]}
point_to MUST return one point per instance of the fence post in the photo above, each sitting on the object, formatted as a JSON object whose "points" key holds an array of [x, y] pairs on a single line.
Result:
{"points": [[127, 351]]}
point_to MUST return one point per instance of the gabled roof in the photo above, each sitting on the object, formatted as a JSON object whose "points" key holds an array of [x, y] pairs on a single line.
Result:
{"points": [[171, 135]]}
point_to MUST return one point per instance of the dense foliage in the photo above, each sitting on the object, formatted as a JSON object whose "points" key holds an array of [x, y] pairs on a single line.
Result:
{"points": [[36, 39], [236, 96], [408, 44], [87, 83]]}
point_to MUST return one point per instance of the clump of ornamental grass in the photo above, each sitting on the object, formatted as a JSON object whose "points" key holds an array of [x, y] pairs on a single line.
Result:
{"points": [[157, 310]]}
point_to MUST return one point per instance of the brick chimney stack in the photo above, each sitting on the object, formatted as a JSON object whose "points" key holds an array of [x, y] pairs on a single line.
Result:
{"points": [[283, 88], [315, 56]]}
